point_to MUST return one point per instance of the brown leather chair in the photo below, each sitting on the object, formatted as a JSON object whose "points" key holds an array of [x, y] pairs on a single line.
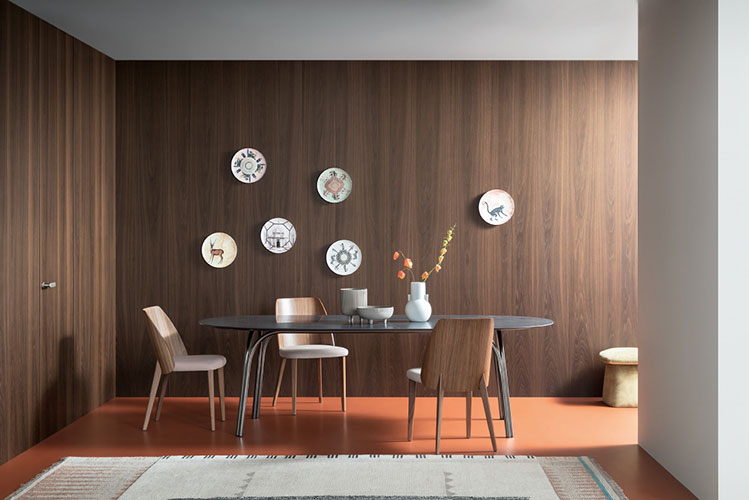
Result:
{"points": [[457, 359]]}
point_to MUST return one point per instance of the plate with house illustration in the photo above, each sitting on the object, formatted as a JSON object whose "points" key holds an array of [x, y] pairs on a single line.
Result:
{"points": [[334, 185], [248, 165], [343, 257], [496, 207], [278, 235], [219, 250]]}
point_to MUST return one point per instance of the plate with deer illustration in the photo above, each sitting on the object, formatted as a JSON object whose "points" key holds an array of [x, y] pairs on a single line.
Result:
{"points": [[219, 250], [248, 165], [496, 207]]}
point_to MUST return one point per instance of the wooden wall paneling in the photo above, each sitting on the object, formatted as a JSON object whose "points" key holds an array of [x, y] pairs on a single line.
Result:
{"points": [[539, 186], [108, 226], [4, 224], [55, 142], [20, 296], [555, 248], [621, 202], [94, 231], [57, 153], [363, 115], [588, 224], [497, 251], [423, 141], [5, 321], [86, 242], [141, 203]]}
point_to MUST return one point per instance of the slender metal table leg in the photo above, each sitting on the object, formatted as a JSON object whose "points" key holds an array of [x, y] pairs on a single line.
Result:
{"points": [[498, 372], [259, 379], [499, 352], [245, 382]]}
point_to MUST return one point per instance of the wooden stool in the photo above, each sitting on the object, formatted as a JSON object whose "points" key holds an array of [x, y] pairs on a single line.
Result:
{"points": [[620, 378]]}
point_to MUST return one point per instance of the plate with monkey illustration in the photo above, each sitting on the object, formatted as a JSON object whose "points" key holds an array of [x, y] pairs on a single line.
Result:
{"points": [[496, 207]]}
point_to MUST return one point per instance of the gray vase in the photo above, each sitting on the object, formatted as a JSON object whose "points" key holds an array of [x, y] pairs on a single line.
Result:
{"points": [[351, 300]]}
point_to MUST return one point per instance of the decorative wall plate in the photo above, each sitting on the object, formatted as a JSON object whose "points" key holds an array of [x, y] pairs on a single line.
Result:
{"points": [[219, 250], [343, 257], [248, 165], [278, 235], [334, 185], [496, 207]]}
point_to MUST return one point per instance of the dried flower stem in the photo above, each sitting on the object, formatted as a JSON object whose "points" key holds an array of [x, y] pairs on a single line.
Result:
{"points": [[425, 276]]}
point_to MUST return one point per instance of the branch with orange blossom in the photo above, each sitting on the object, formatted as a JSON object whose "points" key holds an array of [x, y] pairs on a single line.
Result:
{"points": [[408, 263]]}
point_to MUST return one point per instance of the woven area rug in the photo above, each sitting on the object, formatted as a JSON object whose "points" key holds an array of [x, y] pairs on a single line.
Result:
{"points": [[313, 477]]}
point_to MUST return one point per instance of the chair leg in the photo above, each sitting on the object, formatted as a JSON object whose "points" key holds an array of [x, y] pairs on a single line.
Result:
{"points": [[162, 393], [440, 397], [211, 400], [294, 363], [152, 395], [411, 407], [221, 393], [469, 397], [279, 379], [488, 411], [319, 379], [343, 383]]}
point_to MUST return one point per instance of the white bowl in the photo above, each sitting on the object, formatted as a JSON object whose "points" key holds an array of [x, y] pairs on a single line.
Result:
{"points": [[375, 313]]}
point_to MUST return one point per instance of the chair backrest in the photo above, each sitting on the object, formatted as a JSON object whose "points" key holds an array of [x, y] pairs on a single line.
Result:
{"points": [[164, 337], [460, 351], [302, 306]]}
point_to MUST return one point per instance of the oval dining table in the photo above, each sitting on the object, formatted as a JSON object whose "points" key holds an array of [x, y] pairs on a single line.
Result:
{"points": [[260, 329]]}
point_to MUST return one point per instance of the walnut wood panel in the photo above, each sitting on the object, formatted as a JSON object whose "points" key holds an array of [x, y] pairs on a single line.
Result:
{"points": [[94, 231], [57, 154], [56, 225], [19, 339], [422, 141]]}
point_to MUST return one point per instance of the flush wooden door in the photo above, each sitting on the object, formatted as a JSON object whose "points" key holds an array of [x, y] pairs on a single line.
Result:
{"points": [[56, 225], [56, 216]]}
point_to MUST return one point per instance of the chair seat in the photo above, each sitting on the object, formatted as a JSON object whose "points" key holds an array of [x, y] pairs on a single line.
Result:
{"points": [[619, 356], [198, 362], [313, 351], [414, 374]]}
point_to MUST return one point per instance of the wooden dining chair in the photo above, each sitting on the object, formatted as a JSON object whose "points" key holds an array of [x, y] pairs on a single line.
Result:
{"points": [[457, 359], [171, 356], [296, 346]]}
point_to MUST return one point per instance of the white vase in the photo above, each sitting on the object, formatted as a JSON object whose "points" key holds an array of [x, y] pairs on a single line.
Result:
{"points": [[418, 308]]}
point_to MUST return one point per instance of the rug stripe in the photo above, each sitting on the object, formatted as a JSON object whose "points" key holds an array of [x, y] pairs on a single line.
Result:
{"points": [[595, 478]]}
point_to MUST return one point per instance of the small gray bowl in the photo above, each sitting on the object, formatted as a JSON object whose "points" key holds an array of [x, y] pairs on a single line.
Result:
{"points": [[375, 313]]}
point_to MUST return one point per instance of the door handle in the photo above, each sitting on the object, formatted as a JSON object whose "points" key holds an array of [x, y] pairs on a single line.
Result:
{"points": [[46, 285]]}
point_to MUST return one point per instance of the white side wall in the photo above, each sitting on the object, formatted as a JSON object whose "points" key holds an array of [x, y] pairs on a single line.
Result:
{"points": [[733, 244], [678, 239]]}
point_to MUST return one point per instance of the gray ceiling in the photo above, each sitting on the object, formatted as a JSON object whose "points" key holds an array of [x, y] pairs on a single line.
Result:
{"points": [[348, 29]]}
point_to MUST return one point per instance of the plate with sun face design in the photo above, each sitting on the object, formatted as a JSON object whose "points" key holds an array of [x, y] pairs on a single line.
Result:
{"points": [[248, 165], [496, 207], [334, 185], [219, 250], [278, 235], [343, 257]]}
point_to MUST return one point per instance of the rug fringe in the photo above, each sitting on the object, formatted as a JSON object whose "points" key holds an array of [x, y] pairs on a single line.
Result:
{"points": [[28, 484]]}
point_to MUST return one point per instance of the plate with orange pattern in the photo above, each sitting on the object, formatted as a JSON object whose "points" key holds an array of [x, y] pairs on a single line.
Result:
{"points": [[334, 185]]}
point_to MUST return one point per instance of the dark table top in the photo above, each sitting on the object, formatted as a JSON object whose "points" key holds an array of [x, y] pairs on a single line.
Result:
{"points": [[340, 324]]}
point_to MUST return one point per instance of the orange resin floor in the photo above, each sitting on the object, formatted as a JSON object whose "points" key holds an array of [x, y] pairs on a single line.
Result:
{"points": [[543, 426]]}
